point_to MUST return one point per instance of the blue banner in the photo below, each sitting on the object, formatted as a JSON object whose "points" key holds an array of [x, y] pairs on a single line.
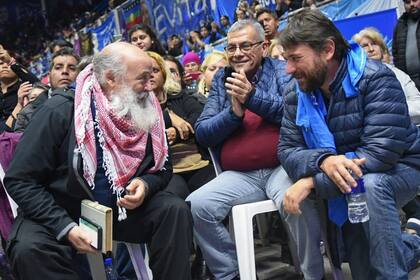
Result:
{"points": [[177, 17], [384, 21], [269, 4], [223, 8], [341, 9], [105, 33]]}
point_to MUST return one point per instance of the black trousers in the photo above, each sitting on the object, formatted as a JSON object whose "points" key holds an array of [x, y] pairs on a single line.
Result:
{"points": [[182, 184], [164, 222]]}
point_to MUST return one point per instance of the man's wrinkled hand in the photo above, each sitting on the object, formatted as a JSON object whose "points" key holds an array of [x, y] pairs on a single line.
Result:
{"points": [[339, 169], [296, 193], [80, 241], [135, 194]]}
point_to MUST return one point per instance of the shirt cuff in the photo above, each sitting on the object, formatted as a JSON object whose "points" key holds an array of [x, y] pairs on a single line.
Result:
{"points": [[66, 230]]}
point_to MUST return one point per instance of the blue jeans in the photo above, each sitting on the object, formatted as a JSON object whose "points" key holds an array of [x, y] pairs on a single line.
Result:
{"points": [[305, 228], [210, 205], [376, 249]]}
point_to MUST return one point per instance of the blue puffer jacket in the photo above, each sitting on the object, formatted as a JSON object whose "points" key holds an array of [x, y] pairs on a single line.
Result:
{"points": [[217, 121], [375, 125]]}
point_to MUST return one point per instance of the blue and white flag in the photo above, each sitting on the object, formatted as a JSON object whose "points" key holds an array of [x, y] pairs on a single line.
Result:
{"points": [[105, 33]]}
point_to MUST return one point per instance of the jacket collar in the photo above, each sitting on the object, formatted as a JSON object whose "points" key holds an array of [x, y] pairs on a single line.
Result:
{"points": [[335, 85], [404, 18]]}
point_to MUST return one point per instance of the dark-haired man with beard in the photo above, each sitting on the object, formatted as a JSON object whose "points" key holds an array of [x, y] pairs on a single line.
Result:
{"points": [[345, 117], [406, 41], [106, 142]]}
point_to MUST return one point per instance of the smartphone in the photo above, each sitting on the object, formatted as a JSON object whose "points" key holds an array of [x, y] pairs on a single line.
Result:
{"points": [[228, 73], [195, 75]]}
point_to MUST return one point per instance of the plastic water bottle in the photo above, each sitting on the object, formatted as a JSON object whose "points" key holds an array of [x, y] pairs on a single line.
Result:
{"points": [[357, 205], [110, 273]]}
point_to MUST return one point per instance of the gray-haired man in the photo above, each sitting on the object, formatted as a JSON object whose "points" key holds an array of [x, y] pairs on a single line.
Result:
{"points": [[240, 122], [116, 130]]}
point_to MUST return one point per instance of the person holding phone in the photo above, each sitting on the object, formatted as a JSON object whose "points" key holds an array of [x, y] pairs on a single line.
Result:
{"points": [[244, 107], [12, 75], [191, 62]]}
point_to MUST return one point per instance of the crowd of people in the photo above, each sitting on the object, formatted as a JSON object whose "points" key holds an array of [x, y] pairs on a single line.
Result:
{"points": [[29, 42], [297, 116]]}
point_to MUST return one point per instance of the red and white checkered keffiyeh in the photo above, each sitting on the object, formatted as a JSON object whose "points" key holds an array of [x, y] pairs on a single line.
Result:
{"points": [[123, 147]]}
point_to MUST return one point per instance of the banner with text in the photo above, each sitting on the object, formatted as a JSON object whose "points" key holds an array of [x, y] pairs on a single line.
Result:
{"points": [[182, 16], [105, 33]]}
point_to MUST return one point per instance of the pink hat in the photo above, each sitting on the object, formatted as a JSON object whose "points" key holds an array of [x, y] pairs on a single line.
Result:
{"points": [[190, 57]]}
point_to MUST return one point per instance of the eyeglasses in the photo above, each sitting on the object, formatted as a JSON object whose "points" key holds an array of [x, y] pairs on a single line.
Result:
{"points": [[244, 48]]}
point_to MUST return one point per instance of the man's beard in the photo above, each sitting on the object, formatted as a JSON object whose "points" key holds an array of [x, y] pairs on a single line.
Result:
{"points": [[415, 15], [135, 107], [313, 79]]}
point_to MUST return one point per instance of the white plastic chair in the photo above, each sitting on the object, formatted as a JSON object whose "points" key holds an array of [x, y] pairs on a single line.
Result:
{"points": [[242, 216]]}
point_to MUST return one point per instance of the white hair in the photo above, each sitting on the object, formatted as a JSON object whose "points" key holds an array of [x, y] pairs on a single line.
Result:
{"points": [[241, 24], [108, 61]]}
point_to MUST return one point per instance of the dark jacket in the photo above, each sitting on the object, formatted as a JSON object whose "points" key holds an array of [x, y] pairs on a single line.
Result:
{"points": [[218, 122], [41, 178], [185, 106], [8, 101], [399, 46], [25, 115], [375, 125]]}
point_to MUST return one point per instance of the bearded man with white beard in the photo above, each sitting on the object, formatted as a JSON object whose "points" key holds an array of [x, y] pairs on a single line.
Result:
{"points": [[106, 142]]}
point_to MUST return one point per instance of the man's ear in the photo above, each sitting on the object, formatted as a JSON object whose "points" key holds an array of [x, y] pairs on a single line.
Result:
{"points": [[110, 79], [329, 49], [266, 45]]}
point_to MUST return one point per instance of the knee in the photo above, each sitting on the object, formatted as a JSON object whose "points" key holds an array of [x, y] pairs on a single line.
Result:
{"points": [[202, 207], [176, 208], [22, 251], [377, 187]]}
